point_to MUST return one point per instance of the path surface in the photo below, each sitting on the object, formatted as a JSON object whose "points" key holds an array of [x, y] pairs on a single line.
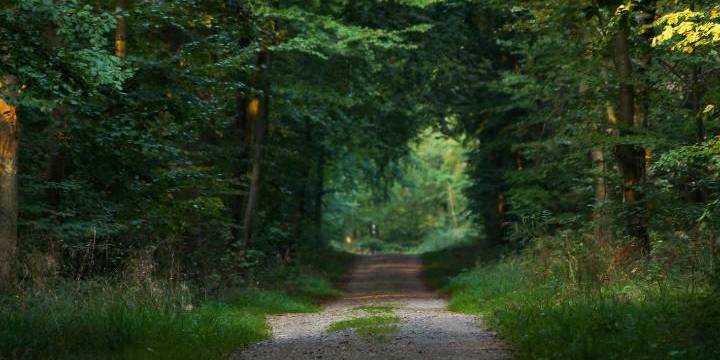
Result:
{"points": [[427, 329]]}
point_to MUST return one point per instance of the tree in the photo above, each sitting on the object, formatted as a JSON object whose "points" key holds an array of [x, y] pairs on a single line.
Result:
{"points": [[258, 115], [9, 142]]}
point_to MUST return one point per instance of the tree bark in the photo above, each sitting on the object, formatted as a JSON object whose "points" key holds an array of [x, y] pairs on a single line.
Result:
{"points": [[319, 193], [696, 94], [242, 125], [644, 17], [55, 172], [9, 143], [631, 160], [601, 194], [695, 105], [630, 157], [261, 110], [121, 30], [451, 206], [624, 69], [500, 209]]}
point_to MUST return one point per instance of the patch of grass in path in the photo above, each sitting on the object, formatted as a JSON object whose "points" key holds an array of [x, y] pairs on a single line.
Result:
{"points": [[378, 327]]}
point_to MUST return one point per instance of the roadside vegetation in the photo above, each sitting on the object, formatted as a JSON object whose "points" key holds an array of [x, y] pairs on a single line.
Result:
{"points": [[554, 311], [156, 320]]}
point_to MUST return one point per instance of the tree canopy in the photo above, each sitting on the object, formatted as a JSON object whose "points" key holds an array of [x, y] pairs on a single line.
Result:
{"points": [[219, 130]]}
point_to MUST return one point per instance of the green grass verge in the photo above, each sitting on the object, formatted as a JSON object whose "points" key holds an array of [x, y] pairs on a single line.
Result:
{"points": [[544, 318], [115, 321]]}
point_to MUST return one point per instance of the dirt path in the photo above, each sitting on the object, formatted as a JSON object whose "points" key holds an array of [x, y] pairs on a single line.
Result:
{"points": [[426, 330]]}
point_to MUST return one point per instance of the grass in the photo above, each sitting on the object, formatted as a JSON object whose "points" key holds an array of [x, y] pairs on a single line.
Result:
{"points": [[440, 266], [378, 325], [118, 321], [101, 321], [544, 317]]}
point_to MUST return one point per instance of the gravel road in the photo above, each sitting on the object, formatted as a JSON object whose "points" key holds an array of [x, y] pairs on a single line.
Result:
{"points": [[427, 329]]}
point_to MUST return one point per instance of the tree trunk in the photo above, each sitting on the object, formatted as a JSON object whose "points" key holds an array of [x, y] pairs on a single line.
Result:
{"points": [[261, 109], [302, 198], [121, 30], [242, 125], [645, 16], [631, 157], [55, 172], [597, 156], [601, 194], [624, 69], [451, 205], [9, 143], [631, 160], [254, 190], [695, 105], [319, 193], [696, 94], [500, 209]]}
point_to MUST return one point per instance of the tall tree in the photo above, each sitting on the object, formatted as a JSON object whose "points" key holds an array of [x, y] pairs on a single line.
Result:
{"points": [[258, 115], [9, 142], [55, 172], [630, 156], [121, 29]]}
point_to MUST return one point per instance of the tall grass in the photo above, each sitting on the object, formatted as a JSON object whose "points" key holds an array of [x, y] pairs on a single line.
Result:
{"points": [[114, 322], [545, 317], [103, 320]]}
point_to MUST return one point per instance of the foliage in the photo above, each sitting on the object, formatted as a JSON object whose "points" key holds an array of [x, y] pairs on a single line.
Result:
{"points": [[422, 207], [690, 30], [150, 151]]}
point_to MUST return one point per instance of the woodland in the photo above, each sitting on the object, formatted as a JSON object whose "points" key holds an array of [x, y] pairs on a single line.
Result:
{"points": [[173, 171]]}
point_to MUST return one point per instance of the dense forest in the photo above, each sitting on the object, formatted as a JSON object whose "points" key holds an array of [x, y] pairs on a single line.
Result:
{"points": [[173, 171]]}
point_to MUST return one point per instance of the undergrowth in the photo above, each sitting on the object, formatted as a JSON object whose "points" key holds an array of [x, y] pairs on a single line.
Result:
{"points": [[543, 316], [104, 320]]}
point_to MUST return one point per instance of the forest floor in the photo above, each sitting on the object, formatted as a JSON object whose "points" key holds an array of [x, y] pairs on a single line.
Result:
{"points": [[387, 312]]}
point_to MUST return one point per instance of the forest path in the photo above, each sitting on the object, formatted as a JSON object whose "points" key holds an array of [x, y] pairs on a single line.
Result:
{"points": [[426, 329]]}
